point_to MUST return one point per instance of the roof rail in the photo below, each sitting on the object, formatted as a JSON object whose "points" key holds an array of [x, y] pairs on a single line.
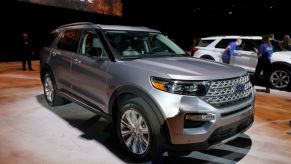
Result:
{"points": [[75, 24]]}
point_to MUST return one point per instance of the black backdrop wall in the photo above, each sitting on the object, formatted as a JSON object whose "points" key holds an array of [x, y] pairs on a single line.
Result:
{"points": [[180, 20]]}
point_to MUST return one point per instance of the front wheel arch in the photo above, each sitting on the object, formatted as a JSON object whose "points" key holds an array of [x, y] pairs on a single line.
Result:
{"points": [[127, 92]]}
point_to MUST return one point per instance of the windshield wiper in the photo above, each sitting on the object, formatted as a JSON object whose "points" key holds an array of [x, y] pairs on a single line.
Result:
{"points": [[130, 57], [164, 54]]}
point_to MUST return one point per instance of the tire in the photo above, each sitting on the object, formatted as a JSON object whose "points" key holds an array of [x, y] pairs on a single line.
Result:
{"points": [[50, 92], [136, 147], [280, 78]]}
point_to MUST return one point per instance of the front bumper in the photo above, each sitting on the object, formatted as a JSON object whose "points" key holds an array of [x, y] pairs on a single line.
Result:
{"points": [[229, 121], [221, 135]]}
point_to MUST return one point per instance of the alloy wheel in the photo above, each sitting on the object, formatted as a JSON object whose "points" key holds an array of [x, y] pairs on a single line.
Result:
{"points": [[280, 79], [134, 131], [49, 89]]}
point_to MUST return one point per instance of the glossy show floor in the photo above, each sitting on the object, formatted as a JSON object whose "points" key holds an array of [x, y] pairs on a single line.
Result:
{"points": [[32, 132]]}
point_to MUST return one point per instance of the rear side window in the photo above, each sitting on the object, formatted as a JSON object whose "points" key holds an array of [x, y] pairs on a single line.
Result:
{"points": [[205, 43], [69, 41], [224, 43], [248, 45]]}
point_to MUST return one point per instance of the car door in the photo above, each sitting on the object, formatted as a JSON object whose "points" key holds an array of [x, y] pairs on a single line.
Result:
{"points": [[221, 46], [245, 56], [61, 56], [89, 68]]}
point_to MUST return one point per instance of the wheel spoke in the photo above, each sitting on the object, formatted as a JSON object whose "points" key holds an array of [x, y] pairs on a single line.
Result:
{"points": [[144, 131], [286, 77], [123, 123], [125, 133], [275, 77], [128, 142], [129, 119], [134, 145], [144, 140], [141, 146], [134, 118]]}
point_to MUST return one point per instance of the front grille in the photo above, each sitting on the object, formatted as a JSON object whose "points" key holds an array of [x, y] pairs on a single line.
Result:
{"points": [[228, 131], [226, 92], [235, 111]]}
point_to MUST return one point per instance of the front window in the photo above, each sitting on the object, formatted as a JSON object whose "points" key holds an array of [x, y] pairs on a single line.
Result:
{"points": [[133, 44]]}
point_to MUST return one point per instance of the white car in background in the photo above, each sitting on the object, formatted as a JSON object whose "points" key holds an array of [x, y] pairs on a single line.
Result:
{"points": [[211, 48]]}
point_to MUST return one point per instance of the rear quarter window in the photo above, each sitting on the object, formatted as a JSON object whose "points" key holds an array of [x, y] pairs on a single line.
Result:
{"points": [[205, 43], [69, 41]]}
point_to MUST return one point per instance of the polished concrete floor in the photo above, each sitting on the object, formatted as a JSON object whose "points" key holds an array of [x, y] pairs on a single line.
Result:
{"points": [[32, 132]]}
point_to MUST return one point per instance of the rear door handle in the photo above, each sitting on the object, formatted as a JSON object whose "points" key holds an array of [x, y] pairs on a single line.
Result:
{"points": [[54, 53], [77, 61]]}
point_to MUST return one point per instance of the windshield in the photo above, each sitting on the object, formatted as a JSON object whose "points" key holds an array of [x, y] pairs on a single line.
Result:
{"points": [[136, 44]]}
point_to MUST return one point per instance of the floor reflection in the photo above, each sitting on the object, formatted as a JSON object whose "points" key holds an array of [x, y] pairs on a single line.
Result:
{"points": [[99, 129]]}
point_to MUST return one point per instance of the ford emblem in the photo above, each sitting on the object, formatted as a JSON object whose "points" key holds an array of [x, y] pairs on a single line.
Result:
{"points": [[240, 88]]}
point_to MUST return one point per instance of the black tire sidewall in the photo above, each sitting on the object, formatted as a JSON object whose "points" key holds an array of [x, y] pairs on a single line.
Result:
{"points": [[146, 112]]}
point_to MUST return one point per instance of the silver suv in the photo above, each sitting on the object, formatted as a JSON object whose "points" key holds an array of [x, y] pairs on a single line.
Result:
{"points": [[157, 98]]}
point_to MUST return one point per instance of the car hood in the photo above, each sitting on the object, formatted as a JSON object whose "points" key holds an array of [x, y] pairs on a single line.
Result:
{"points": [[187, 68]]}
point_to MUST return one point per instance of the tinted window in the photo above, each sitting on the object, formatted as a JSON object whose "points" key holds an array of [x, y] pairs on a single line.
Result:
{"points": [[128, 44], [204, 43], [69, 41], [257, 43], [91, 44], [247, 45], [224, 43]]}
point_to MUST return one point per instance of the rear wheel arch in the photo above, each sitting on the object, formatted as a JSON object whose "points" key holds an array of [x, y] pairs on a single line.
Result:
{"points": [[209, 57], [45, 68]]}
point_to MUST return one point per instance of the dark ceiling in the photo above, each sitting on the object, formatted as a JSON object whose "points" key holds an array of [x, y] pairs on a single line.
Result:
{"points": [[181, 20]]}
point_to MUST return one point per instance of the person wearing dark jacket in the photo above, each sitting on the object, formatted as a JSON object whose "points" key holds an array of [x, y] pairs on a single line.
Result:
{"points": [[275, 43], [264, 61], [26, 51]]}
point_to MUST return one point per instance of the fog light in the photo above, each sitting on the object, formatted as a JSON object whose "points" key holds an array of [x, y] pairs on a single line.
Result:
{"points": [[201, 117]]}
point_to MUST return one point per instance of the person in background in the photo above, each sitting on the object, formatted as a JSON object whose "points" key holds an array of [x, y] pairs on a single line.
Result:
{"points": [[26, 51], [264, 61], [284, 43], [229, 50], [288, 47], [274, 42], [193, 49]]}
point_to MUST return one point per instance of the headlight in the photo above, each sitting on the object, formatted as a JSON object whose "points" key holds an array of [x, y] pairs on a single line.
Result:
{"points": [[192, 88]]}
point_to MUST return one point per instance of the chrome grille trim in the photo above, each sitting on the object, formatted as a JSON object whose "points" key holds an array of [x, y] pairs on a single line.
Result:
{"points": [[223, 92]]}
